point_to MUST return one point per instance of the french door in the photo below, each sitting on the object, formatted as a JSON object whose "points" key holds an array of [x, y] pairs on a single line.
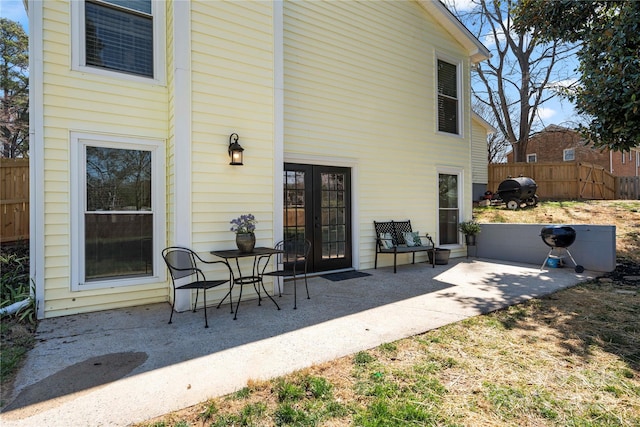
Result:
{"points": [[317, 207]]}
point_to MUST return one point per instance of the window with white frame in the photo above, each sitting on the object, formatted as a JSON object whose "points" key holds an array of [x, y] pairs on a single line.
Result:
{"points": [[532, 158], [568, 154], [449, 187], [118, 211], [118, 36], [448, 97]]}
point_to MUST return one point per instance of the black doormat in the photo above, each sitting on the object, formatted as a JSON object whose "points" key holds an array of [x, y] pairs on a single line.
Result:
{"points": [[346, 275]]}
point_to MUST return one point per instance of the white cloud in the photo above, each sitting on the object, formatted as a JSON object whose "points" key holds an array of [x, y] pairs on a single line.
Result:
{"points": [[461, 5], [545, 113]]}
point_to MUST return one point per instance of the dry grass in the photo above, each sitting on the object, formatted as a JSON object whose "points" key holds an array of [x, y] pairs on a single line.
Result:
{"points": [[571, 358], [624, 214]]}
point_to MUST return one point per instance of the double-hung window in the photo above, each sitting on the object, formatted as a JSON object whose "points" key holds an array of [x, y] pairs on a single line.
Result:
{"points": [[117, 217], [448, 97], [118, 36]]}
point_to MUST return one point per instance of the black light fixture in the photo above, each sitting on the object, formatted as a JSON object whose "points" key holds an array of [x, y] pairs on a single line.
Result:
{"points": [[235, 150]]}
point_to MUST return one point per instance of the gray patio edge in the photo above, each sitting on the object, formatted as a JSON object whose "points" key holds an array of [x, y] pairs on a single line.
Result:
{"points": [[179, 365]]}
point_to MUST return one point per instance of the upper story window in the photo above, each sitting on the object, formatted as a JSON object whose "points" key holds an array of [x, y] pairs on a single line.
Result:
{"points": [[448, 97], [568, 154], [118, 37], [532, 158]]}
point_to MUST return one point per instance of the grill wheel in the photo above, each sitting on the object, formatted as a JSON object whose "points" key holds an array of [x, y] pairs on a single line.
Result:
{"points": [[513, 204]]}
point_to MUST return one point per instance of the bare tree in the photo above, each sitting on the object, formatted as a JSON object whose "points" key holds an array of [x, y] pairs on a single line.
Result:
{"points": [[521, 75], [497, 145]]}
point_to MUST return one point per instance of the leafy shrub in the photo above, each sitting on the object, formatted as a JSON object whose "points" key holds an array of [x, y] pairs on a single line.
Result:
{"points": [[14, 280]]}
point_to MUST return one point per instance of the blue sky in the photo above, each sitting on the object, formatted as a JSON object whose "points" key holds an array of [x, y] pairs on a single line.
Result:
{"points": [[14, 10], [556, 111]]}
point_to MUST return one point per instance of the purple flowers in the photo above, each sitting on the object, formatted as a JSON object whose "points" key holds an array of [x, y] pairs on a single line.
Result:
{"points": [[244, 224]]}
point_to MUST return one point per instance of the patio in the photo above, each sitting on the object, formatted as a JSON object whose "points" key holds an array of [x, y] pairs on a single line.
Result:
{"points": [[122, 366]]}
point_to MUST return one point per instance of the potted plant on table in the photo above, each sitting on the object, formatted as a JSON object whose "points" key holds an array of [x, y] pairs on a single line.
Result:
{"points": [[244, 227], [470, 229]]}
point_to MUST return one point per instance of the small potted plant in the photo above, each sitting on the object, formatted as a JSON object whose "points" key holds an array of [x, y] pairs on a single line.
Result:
{"points": [[469, 229], [244, 227]]}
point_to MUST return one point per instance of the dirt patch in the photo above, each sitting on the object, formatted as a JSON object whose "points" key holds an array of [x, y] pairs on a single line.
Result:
{"points": [[624, 214]]}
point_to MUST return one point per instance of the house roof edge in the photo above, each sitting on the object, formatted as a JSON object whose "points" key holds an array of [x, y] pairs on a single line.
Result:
{"points": [[477, 51]]}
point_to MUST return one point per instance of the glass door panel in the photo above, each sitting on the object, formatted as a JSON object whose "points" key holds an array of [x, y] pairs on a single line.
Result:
{"points": [[317, 207]]}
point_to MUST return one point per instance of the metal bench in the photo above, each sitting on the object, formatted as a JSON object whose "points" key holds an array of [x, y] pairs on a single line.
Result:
{"points": [[398, 244]]}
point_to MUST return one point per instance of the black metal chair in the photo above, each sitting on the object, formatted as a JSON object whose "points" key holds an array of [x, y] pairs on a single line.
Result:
{"points": [[182, 262], [290, 262]]}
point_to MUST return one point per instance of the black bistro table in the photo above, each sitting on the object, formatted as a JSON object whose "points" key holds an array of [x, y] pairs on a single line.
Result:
{"points": [[254, 278]]}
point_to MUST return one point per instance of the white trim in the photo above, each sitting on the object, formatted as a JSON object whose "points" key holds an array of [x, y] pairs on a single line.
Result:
{"points": [[78, 50], [535, 158], [182, 176], [485, 124], [476, 50], [36, 154], [182, 133], [278, 118], [80, 140], [459, 172]]}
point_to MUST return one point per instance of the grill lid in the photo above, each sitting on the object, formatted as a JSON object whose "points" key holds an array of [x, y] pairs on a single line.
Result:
{"points": [[558, 236]]}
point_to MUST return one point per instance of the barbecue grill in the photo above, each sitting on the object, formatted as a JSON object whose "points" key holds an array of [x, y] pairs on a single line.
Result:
{"points": [[516, 191], [559, 238]]}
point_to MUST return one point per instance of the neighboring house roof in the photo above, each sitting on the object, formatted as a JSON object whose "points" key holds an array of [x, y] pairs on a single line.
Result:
{"points": [[485, 124], [477, 51]]}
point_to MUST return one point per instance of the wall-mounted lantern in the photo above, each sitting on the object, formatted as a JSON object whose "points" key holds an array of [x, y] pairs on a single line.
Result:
{"points": [[235, 150]]}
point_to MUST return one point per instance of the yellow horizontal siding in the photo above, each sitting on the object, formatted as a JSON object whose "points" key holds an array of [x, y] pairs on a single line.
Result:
{"points": [[78, 101], [359, 79], [479, 153], [232, 91], [359, 87]]}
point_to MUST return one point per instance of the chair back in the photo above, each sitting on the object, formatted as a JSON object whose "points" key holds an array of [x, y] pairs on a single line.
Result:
{"points": [[180, 261], [294, 254]]}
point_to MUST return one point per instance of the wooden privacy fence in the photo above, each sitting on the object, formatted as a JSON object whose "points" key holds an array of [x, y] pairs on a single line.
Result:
{"points": [[14, 207], [564, 180], [628, 187]]}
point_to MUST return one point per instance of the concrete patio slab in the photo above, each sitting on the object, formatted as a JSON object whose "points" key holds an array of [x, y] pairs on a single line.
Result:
{"points": [[118, 367]]}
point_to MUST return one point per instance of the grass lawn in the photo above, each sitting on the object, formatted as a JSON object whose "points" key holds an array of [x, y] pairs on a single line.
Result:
{"points": [[569, 359]]}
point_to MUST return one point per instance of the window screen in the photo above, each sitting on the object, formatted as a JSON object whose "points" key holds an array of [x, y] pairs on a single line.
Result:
{"points": [[119, 36], [447, 97]]}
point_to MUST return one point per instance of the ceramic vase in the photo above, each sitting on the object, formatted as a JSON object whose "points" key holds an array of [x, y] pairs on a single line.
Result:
{"points": [[245, 242]]}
